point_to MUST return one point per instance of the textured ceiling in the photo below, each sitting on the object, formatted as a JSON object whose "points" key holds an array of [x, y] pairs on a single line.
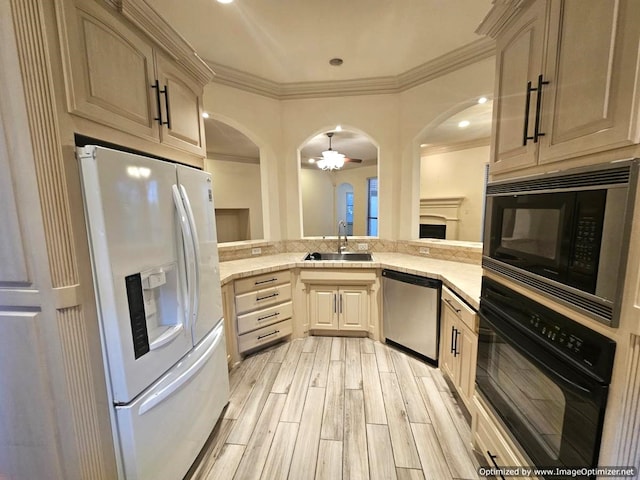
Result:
{"points": [[287, 41]]}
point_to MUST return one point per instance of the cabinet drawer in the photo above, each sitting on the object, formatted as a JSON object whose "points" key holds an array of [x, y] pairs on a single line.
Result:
{"points": [[264, 335], [262, 298], [465, 313], [260, 282], [263, 317], [490, 439]]}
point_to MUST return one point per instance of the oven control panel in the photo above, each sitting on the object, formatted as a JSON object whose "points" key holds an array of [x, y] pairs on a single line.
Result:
{"points": [[575, 342], [562, 338]]}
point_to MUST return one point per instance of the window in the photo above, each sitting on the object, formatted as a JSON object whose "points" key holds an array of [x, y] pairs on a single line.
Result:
{"points": [[372, 204], [349, 213]]}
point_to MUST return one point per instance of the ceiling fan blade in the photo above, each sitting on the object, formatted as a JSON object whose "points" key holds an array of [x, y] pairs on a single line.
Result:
{"points": [[353, 160]]}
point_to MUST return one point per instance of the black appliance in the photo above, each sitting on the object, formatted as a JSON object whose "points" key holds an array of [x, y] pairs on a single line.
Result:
{"points": [[545, 375], [565, 235]]}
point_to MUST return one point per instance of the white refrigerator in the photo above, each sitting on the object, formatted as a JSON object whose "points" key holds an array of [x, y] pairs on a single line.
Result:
{"points": [[153, 246]]}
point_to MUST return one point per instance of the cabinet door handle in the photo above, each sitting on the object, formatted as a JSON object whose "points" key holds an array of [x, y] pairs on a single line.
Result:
{"points": [[456, 352], [334, 303], [536, 130], [265, 281], [165, 92], [340, 303], [495, 464], [453, 336], [527, 108], [156, 86]]}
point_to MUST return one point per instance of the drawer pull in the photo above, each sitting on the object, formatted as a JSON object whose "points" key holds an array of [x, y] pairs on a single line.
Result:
{"points": [[268, 334], [268, 316], [268, 296], [457, 310], [265, 281]]}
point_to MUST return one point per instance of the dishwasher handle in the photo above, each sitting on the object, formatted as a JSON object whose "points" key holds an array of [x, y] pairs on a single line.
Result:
{"points": [[413, 279]]}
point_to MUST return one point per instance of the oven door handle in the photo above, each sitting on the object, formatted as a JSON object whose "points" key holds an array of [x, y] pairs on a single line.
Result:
{"points": [[523, 344]]}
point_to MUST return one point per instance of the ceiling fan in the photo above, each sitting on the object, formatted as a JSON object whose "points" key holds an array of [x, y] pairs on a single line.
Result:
{"points": [[332, 159]]}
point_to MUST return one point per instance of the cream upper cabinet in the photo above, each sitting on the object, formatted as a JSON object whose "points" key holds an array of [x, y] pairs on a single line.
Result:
{"points": [[115, 76], [518, 62], [589, 104], [565, 82], [183, 126]]}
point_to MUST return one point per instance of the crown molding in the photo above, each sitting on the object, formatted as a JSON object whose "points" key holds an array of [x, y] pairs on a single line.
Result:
{"points": [[450, 62], [150, 22], [454, 60], [454, 147], [500, 16]]}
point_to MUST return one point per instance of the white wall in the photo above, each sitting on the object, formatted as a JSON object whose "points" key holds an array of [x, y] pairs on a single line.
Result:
{"points": [[421, 108], [317, 189], [394, 122], [458, 174], [319, 204], [258, 118], [237, 185], [357, 177]]}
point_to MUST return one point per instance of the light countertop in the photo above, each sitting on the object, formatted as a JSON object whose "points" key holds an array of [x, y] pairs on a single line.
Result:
{"points": [[463, 278]]}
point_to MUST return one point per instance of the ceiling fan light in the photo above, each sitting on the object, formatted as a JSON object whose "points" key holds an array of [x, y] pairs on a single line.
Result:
{"points": [[331, 160]]}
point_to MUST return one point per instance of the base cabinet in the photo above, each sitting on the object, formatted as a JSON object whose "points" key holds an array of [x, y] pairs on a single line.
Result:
{"points": [[491, 439], [338, 308], [263, 309], [339, 300], [459, 344]]}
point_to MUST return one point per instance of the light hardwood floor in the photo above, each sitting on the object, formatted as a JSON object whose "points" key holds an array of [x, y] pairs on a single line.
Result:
{"points": [[332, 408]]}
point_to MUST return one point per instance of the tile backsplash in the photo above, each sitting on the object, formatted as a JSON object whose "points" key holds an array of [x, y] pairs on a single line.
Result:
{"points": [[465, 252]]}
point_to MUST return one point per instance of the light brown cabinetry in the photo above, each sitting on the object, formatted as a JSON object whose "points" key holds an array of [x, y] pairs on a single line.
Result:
{"points": [[263, 309], [117, 77], [339, 300], [458, 344], [565, 82], [490, 438]]}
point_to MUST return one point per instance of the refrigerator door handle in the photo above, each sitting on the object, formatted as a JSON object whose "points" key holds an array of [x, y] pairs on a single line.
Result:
{"points": [[158, 397], [188, 248], [168, 335], [196, 252]]}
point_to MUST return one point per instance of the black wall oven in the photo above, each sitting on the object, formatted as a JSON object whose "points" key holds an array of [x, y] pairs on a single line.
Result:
{"points": [[565, 235], [546, 376]]}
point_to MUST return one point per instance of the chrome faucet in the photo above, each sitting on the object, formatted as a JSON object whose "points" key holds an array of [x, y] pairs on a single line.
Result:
{"points": [[341, 247]]}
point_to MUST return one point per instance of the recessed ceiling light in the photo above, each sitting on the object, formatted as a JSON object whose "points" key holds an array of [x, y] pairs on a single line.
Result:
{"points": [[464, 124], [225, 1], [336, 62], [312, 160], [424, 145], [205, 115], [482, 100], [338, 128]]}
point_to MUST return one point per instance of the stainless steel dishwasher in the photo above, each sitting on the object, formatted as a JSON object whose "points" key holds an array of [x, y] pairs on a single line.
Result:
{"points": [[411, 312]]}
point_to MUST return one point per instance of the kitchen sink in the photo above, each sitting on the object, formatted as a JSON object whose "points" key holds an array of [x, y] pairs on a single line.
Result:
{"points": [[349, 257]]}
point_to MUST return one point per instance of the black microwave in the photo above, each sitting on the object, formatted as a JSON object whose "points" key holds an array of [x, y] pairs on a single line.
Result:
{"points": [[566, 234]]}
